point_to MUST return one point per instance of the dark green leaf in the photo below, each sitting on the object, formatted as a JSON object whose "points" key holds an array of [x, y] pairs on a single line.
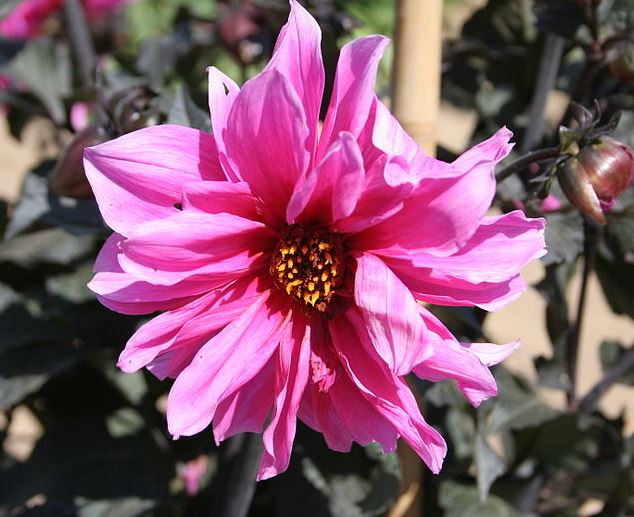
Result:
{"points": [[24, 369], [616, 277], [564, 237], [46, 246], [44, 67], [185, 112], [463, 501], [462, 432], [489, 465], [38, 204], [319, 482], [440, 394], [159, 54], [125, 507], [562, 443], [552, 372], [611, 353], [517, 406]]}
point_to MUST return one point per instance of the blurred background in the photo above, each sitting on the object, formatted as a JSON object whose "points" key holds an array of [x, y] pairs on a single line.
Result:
{"points": [[81, 438]]}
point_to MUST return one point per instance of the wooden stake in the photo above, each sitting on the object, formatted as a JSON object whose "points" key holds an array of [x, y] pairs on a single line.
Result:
{"points": [[417, 69], [415, 102]]}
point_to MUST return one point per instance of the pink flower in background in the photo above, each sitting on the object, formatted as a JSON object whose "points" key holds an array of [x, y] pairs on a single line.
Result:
{"points": [[550, 203], [27, 19], [290, 263]]}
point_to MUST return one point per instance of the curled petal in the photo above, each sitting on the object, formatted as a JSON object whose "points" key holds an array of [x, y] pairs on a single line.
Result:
{"points": [[125, 293], [222, 94], [188, 326], [444, 210], [267, 139], [219, 247], [499, 249], [353, 92], [138, 177], [390, 314], [246, 410], [217, 197], [291, 378], [297, 57], [329, 192], [225, 363], [388, 394], [491, 354], [433, 286], [451, 360]]}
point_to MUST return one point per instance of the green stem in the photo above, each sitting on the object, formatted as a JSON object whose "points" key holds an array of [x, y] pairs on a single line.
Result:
{"points": [[523, 162], [591, 238]]}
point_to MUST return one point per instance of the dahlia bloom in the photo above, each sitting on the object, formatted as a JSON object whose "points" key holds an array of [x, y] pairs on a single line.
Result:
{"points": [[290, 262], [27, 19]]}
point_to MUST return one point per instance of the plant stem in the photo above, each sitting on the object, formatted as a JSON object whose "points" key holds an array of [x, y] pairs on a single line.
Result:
{"points": [[589, 402], [81, 41], [591, 238], [235, 486], [523, 162], [546, 79]]}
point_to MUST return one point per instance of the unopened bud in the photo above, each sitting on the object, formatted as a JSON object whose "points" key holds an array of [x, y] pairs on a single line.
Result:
{"points": [[69, 178], [594, 178]]}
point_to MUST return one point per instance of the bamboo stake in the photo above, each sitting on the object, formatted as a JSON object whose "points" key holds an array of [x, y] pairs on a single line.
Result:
{"points": [[415, 102], [417, 65]]}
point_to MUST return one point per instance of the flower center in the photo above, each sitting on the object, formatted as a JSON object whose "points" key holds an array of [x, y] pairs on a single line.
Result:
{"points": [[308, 265]]}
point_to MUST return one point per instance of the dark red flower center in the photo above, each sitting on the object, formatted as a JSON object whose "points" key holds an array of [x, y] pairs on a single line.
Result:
{"points": [[308, 264]]}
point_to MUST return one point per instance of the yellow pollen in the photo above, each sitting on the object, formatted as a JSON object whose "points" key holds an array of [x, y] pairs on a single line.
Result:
{"points": [[307, 265]]}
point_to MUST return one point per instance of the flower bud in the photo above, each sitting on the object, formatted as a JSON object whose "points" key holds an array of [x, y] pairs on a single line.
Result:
{"points": [[594, 177], [622, 68], [69, 178]]}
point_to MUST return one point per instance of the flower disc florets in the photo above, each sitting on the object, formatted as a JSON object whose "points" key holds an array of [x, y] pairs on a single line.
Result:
{"points": [[308, 265]]}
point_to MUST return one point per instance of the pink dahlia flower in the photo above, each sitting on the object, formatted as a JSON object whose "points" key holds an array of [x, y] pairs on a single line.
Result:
{"points": [[290, 262], [29, 16]]}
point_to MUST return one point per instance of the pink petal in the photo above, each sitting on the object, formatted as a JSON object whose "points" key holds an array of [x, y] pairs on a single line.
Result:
{"points": [[491, 354], [267, 139], [386, 186], [291, 378], [359, 416], [390, 314], [353, 92], [318, 413], [453, 361], [139, 176], [191, 325], [216, 197], [246, 410], [222, 94], [219, 247], [225, 363], [124, 293], [336, 408], [389, 136], [499, 249], [330, 191], [388, 394], [316, 409], [443, 212], [297, 57], [432, 286]]}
